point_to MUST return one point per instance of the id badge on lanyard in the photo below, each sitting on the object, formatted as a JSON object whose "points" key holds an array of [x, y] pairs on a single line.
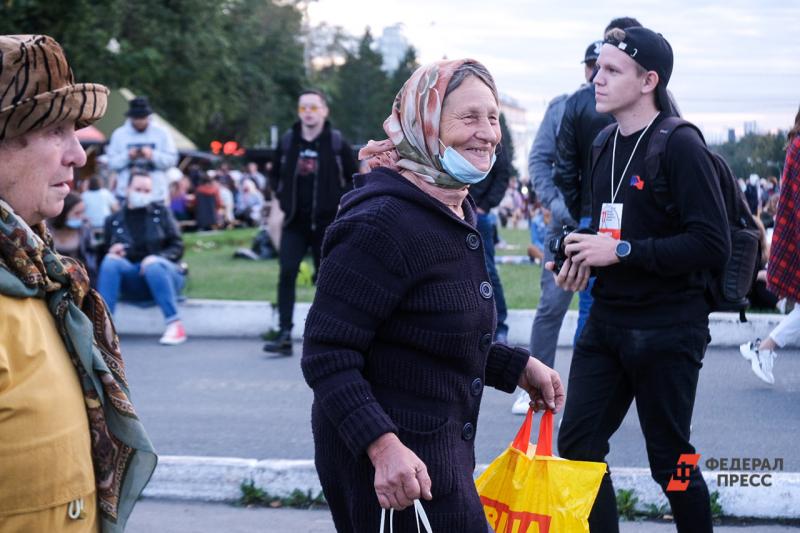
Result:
{"points": [[611, 220]]}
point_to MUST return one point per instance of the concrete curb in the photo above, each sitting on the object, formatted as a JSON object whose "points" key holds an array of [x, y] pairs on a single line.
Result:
{"points": [[218, 479], [230, 318]]}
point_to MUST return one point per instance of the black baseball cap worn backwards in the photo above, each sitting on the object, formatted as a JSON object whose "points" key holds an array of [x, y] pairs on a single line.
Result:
{"points": [[592, 52], [652, 51]]}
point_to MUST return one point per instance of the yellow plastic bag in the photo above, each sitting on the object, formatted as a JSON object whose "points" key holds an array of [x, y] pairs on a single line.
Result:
{"points": [[527, 490]]}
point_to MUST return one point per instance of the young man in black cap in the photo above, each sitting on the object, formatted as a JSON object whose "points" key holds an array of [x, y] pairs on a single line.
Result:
{"points": [[648, 328]]}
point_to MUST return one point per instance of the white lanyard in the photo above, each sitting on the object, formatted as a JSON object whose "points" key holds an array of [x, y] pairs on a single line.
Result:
{"points": [[614, 158]]}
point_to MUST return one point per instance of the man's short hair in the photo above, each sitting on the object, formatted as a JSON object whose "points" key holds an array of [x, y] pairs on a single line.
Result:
{"points": [[139, 174], [622, 23], [318, 92]]}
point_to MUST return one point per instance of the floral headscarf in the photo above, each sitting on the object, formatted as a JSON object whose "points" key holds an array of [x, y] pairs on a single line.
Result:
{"points": [[413, 126]]}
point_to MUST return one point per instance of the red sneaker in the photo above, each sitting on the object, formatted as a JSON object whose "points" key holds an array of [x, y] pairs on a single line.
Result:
{"points": [[174, 334]]}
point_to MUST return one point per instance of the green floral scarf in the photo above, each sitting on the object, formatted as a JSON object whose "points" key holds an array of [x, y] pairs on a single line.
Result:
{"points": [[122, 454]]}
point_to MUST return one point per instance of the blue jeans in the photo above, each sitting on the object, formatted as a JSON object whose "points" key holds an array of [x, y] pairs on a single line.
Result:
{"points": [[585, 296], [161, 282], [485, 226]]}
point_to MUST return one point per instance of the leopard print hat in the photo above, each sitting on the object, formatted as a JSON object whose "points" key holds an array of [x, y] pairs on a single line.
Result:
{"points": [[38, 89]]}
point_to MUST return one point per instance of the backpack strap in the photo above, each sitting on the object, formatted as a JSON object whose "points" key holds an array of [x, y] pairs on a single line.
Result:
{"points": [[656, 148], [336, 146], [286, 142], [600, 142], [336, 140]]}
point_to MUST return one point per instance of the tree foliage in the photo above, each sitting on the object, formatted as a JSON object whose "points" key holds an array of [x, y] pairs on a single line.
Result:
{"points": [[359, 103], [219, 69], [214, 69], [760, 154]]}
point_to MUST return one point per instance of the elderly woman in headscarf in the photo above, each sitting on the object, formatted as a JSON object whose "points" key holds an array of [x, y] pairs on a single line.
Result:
{"points": [[398, 343]]}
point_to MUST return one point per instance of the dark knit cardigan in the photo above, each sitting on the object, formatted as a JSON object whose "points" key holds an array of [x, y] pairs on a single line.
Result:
{"points": [[399, 339]]}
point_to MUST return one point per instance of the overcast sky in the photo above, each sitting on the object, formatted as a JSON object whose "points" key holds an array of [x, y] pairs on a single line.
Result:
{"points": [[735, 61]]}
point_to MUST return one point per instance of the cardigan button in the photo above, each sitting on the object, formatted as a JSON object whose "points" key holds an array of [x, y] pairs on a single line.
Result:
{"points": [[486, 341], [473, 241], [486, 290], [468, 431], [476, 387]]}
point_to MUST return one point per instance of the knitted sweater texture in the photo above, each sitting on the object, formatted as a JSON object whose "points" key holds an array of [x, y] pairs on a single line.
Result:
{"points": [[399, 339]]}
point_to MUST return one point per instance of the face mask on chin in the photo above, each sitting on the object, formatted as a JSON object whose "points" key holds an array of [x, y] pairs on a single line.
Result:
{"points": [[137, 200], [460, 169], [73, 223]]}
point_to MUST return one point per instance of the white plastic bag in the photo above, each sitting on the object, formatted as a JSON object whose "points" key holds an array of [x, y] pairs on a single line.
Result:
{"points": [[419, 512]]}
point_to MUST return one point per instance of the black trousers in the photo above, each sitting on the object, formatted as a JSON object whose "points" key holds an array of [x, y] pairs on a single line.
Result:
{"points": [[296, 239], [659, 368]]}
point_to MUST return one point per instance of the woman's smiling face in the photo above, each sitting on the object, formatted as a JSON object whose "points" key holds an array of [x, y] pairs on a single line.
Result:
{"points": [[470, 122]]}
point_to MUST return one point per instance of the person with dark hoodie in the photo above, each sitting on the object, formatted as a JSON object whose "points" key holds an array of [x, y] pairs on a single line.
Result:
{"points": [[398, 342], [312, 168], [487, 195]]}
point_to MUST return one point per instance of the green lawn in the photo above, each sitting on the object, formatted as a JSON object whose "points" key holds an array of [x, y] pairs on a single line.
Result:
{"points": [[214, 273]]}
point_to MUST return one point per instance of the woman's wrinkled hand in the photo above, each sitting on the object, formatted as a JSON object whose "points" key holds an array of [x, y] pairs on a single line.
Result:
{"points": [[400, 476], [543, 385]]}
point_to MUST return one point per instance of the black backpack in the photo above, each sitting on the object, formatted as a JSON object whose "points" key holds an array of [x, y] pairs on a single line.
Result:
{"points": [[726, 290]]}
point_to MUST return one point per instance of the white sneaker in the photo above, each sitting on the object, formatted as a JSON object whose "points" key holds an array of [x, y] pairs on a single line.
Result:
{"points": [[174, 334], [521, 404], [760, 363], [767, 359]]}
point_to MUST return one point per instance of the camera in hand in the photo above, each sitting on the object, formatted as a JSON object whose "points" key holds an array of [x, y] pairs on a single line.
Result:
{"points": [[558, 247]]}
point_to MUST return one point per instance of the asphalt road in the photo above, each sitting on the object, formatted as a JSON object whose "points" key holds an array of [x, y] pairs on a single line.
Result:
{"points": [[180, 517], [227, 398]]}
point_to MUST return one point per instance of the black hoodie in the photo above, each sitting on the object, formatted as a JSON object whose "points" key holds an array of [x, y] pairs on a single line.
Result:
{"points": [[333, 176]]}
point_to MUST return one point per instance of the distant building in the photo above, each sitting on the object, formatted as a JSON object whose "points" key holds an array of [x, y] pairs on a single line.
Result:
{"points": [[522, 132], [392, 45], [731, 135], [750, 127]]}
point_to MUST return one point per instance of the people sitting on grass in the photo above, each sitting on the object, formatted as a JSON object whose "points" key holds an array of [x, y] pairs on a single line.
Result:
{"points": [[249, 204], [144, 249]]}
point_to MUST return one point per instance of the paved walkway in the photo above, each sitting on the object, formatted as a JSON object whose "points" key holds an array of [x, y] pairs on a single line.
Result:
{"points": [[180, 517], [227, 398]]}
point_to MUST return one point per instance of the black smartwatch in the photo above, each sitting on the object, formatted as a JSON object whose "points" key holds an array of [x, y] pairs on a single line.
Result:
{"points": [[623, 251]]}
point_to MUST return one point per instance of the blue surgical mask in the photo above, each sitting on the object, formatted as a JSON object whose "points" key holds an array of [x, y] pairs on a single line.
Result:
{"points": [[460, 169], [74, 223]]}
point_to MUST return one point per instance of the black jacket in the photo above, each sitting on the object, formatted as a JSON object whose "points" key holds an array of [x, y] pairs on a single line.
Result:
{"points": [[151, 230], [579, 126], [334, 176], [489, 192]]}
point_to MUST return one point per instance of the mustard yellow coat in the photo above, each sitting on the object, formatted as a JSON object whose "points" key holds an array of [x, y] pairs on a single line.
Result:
{"points": [[45, 452]]}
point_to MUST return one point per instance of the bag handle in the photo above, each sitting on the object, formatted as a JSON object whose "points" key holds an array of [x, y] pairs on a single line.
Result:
{"points": [[544, 446], [419, 514]]}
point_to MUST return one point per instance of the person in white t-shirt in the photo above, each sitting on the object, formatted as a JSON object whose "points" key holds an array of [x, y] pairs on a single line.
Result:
{"points": [[99, 203]]}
